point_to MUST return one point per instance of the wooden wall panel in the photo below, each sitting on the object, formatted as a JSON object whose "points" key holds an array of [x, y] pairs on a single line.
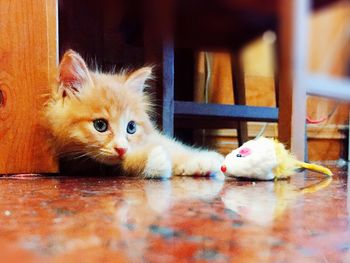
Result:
{"points": [[329, 39], [28, 59], [326, 149]]}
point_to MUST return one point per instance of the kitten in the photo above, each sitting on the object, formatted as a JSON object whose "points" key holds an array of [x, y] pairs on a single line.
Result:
{"points": [[107, 117]]}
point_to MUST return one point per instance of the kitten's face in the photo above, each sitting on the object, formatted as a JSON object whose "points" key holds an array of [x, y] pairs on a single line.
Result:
{"points": [[103, 116]]}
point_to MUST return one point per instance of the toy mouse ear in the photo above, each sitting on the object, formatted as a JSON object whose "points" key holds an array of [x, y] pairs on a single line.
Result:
{"points": [[138, 78], [245, 151], [73, 72]]}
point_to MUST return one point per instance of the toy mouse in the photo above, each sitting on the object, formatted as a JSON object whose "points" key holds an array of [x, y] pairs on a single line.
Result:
{"points": [[265, 159]]}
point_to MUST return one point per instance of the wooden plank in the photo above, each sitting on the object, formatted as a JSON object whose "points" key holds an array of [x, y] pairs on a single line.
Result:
{"points": [[221, 111], [28, 57], [331, 131], [200, 123]]}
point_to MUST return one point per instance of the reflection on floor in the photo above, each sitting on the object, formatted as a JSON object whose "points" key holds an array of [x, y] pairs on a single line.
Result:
{"points": [[116, 219]]}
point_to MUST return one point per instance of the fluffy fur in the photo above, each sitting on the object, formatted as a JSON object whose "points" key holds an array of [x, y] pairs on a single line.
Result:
{"points": [[83, 96], [257, 165], [265, 159]]}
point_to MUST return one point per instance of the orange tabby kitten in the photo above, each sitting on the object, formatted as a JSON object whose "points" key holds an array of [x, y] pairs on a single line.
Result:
{"points": [[106, 117]]}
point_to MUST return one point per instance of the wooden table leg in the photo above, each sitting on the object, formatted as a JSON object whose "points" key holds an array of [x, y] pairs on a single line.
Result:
{"points": [[239, 94], [292, 58]]}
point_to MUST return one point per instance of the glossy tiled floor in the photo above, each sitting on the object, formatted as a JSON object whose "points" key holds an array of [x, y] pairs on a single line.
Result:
{"points": [[181, 220]]}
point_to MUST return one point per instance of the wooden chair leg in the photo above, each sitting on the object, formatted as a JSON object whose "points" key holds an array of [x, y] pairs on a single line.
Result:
{"points": [[159, 49], [168, 89], [292, 58], [276, 76], [239, 93]]}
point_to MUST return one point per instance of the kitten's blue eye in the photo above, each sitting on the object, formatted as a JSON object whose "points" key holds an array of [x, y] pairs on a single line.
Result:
{"points": [[131, 128], [239, 155], [101, 125]]}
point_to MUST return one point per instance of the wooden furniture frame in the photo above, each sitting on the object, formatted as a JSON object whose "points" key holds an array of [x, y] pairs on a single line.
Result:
{"points": [[294, 84]]}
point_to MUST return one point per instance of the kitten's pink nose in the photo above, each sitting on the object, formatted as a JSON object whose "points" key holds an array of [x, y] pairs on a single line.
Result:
{"points": [[120, 151], [223, 169]]}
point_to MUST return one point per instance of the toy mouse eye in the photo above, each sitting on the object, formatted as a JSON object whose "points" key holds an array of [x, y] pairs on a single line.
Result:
{"points": [[239, 155]]}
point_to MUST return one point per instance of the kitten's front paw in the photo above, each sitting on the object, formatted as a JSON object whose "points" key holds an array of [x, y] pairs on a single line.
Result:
{"points": [[158, 164], [201, 163]]}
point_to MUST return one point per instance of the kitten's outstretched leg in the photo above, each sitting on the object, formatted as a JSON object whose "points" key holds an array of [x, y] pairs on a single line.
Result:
{"points": [[158, 164], [196, 162], [190, 161], [149, 162], [161, 157]]}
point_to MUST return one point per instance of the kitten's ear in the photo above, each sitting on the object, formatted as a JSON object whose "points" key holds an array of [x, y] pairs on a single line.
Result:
{"points": [[73, 72], [138, 78]]}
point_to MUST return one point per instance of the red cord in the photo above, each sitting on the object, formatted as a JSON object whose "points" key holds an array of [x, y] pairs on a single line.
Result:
{"points": [[311, 121], [324, 118]]}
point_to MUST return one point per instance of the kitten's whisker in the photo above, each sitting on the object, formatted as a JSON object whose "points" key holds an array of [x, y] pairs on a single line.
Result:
{"points": [[81, 156], [70, 153], [98, 154], [107, 152]]}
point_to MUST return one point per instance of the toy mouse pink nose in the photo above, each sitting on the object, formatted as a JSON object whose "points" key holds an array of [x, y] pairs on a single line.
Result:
{"points": [[121, 151], [223, 169]]}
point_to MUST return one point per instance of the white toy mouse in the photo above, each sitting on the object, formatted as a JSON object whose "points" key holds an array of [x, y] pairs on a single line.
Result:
{"points": [[265, 159]]}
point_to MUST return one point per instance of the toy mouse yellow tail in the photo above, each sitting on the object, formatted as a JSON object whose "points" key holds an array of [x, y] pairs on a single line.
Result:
{"points": [[316, 168]]}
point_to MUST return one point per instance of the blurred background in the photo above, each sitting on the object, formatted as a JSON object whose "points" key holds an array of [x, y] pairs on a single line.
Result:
{"points": [[207, 39]]}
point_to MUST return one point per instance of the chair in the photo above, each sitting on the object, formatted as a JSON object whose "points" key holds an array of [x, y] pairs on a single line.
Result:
{"points": [[231, 24]]}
